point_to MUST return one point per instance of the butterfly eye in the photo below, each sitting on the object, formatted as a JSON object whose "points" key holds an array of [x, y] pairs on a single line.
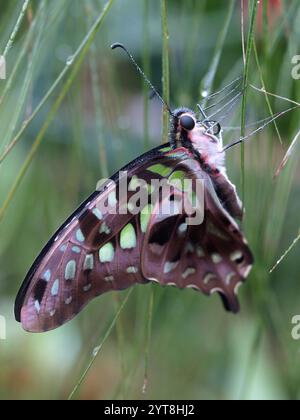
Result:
{"points": [[187, 122], [214, 127]]}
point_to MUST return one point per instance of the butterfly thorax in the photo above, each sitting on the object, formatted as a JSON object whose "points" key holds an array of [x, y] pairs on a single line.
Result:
{"points": [[187, 131]]}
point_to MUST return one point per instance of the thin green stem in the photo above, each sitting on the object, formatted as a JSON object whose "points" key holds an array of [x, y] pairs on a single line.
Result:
{"points": [[23, 52], [265, 28], [250, 39], [264, 89], [121, 345], [243, 30], [149, 320], [99, 348], [165, 69], [250, 371], [146, 67], [209, 78], [98, 106], [16, 28], [32, 54], [290, 248]]}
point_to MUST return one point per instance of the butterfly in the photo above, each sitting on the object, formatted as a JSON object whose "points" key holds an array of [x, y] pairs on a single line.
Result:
{"points": [[98, 250]]}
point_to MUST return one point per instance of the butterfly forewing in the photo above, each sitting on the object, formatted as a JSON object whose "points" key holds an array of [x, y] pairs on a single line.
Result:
{"points": [[92, 253]]}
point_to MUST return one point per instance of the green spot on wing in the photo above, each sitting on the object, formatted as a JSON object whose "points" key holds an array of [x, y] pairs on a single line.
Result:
{"points": [[55, 288], [79, 235], [47, 275], [106, 253], [177, 179], [160, 169], [166, 149], [145, 217], [88, 262], [76, 249], [70, 270], [128, 237], [97, 213]]}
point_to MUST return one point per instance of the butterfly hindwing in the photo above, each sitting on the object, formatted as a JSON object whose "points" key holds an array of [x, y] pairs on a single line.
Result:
{"points": [[212, 256]]}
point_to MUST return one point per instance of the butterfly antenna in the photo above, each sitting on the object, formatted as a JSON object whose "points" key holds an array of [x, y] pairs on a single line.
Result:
{"points": [[201, 110], [119, 45], [218, 92], [268, 121]]}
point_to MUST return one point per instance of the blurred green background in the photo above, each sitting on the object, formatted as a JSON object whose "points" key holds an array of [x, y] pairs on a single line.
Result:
{"points": [[104, 120]]}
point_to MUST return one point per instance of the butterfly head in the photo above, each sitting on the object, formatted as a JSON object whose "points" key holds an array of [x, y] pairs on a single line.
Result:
{"points": [[198, 133], [185, 121]]}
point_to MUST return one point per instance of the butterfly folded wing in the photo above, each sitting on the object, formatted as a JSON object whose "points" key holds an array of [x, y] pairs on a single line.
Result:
{"points": [[97, 251], [212, 256]]}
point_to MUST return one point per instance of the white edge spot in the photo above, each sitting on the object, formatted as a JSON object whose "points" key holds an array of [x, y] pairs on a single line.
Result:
{"points": [[208, 277], [229, 277], [171, 283], [247, 270], [192, 286], [217, 289], [153, 279], [237, 286], [188, 272], [236, 255]]}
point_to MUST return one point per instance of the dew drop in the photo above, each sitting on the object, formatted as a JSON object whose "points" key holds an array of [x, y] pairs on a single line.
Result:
{"points": [[96, 351], [70, 60]]}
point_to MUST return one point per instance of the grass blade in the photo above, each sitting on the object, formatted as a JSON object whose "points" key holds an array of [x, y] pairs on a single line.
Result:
{"points": [[288, 154], [16, 28], [165, 69], [290, 248], [264, 90], [98, 349], [208, 80], [250, 39], [146, 67], [148, 338]]}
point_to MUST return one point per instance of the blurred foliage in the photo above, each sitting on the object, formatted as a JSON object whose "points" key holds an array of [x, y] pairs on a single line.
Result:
{"points": [[196, 349]]}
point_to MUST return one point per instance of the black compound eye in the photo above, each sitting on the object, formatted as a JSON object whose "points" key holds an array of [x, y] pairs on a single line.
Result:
{"points": [[214, 127], [187, 122]]}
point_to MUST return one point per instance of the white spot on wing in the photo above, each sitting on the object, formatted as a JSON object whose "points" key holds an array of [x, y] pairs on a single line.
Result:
{"points": [[68, 300], [216, 258], [208, 277], [188, 272], [237, 286], [170, 266]]}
